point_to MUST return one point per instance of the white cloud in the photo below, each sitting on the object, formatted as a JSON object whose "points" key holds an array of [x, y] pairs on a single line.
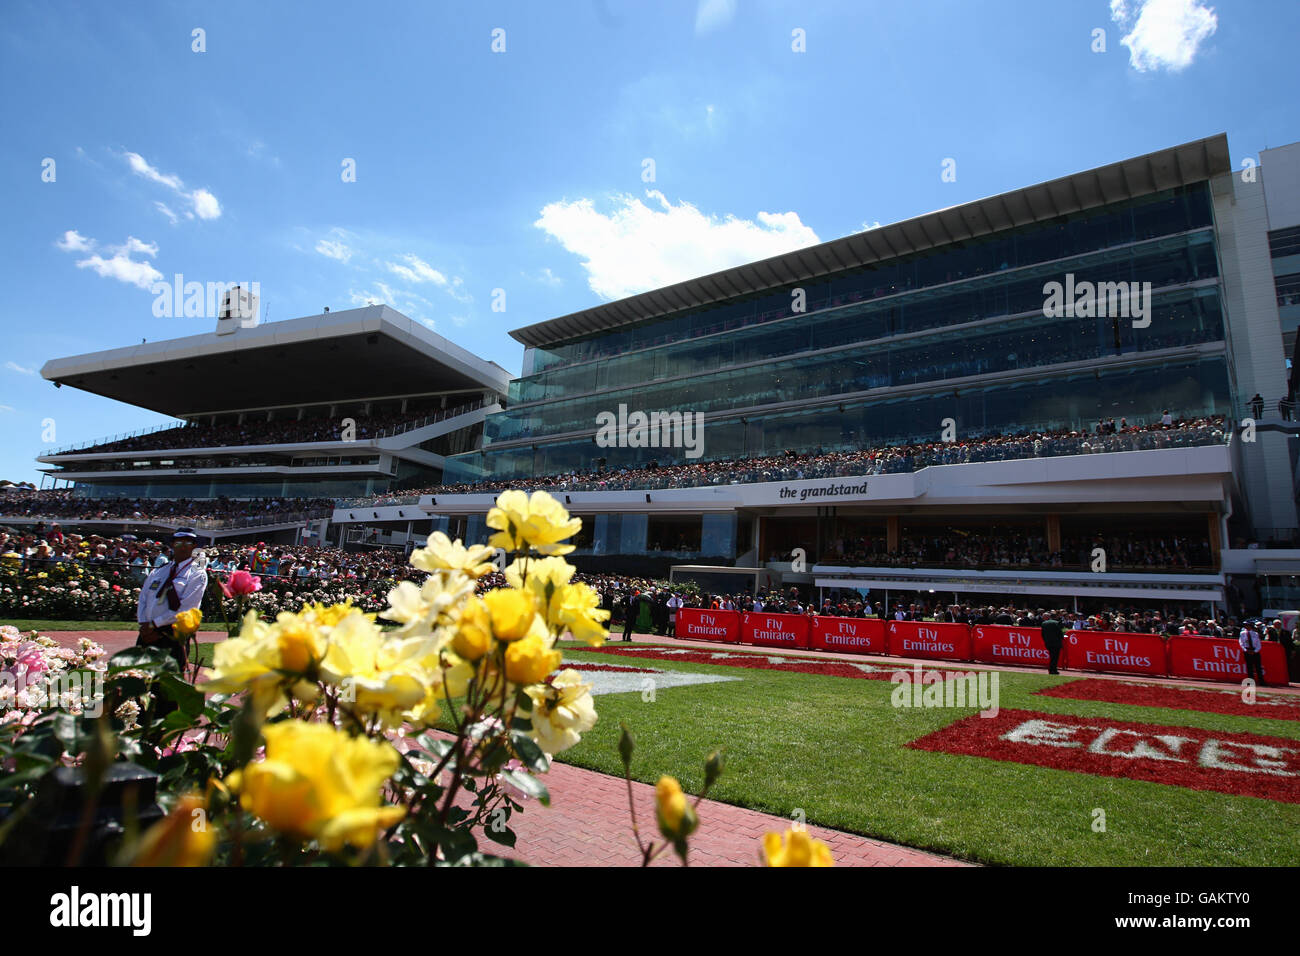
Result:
{"points": [[133, 245], [408, 303], [140, 166], [203, 202], [120, 265], [637, 247], [334, 250], [417, 270], [15, 367], [163, 208], [711, 14], [74, 241], [547, 277], [6, 408], [1167, 34]]}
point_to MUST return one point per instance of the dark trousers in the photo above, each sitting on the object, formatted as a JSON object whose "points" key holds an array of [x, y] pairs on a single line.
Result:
{"points": [[627, 624], [1053, 655], [1254, 668], [165, 638]]}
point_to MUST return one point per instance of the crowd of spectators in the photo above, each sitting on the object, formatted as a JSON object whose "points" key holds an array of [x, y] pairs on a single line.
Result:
{"points": [[66, 504], [646, 601], [278, 431], [951, 548], [1106, 436]]}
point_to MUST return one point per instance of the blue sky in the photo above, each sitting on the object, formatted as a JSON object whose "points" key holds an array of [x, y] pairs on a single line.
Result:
{"points": [[525, 170]]}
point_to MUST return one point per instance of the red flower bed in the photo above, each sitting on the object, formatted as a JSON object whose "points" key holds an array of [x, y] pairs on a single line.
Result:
{"points": [[1245, 765], [796, 665], [1271, 706]]}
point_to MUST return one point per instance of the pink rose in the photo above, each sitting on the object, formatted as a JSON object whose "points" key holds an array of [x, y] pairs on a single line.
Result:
{"points": [[241, 584]]}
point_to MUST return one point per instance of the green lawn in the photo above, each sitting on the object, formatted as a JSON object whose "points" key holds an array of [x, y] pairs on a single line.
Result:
{"points": [[834, 748]]}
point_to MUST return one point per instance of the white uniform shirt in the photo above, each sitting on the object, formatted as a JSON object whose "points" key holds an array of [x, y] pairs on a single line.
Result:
{"points": [[191, 582], [1249, 640]]}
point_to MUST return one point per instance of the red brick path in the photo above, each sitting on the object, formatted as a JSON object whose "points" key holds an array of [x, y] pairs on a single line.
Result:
{"points": [[587, 824]]}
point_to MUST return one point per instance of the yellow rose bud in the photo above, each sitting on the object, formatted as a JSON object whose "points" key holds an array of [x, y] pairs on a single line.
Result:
{"points": [[795, 848], [511, 612], [187, 622], [474, 632], [182, 838], [530, 660], [677, 819]]}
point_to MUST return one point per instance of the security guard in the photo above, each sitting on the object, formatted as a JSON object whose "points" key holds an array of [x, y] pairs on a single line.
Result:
{"points": [[175, 587], [1053, 637]]}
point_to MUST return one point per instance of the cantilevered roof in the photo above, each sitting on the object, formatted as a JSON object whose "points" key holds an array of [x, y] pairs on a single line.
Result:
{"points": [[332, 357], [1129, 179]]}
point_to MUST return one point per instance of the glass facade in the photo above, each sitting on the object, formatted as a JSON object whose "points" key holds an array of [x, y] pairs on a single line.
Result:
{"points": [[958, 332], [1073, 400], [1161, 214]]}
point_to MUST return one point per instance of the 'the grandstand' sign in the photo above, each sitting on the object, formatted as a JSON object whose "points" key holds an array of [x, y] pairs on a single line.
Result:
{"points": [[823, 491]]}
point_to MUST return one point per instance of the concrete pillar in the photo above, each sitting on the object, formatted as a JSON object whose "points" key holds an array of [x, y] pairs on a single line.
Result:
{"points": [[891, 533], [1053, 532]]}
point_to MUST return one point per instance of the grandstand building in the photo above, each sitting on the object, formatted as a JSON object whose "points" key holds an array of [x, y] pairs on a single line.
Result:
{"points": [[942, 329], [1158, 286], [359, 402]]}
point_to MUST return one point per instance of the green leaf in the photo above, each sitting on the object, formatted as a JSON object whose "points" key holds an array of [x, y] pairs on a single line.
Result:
{"points": [[435, 747], [505, 836], [65, 729], [187, 697], [152, 659], [532, 756], [529, 785], [457, 844]]}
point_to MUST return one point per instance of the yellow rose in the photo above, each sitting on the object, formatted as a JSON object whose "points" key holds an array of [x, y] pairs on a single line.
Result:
{"points": [[474, 632], [422, 608], [577, 607], [528, 661], [512, 613], [378, 673], [182, 838], [440, 553], [538, 521], [248, 664], [319, 783], [677, 819], [187, 622], [795, 848], [299, 641], [561, 711]]}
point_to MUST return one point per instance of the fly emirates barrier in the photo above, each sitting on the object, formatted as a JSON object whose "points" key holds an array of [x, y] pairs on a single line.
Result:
{"points": [[1209, 658]]}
